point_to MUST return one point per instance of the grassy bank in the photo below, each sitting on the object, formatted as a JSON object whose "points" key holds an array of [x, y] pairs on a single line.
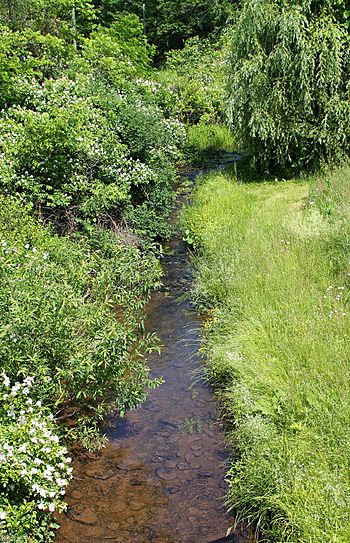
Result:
{"points": [[273, 275]]}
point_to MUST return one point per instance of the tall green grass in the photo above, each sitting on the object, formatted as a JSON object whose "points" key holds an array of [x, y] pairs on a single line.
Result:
{"points": [[273, 272], [204, 138]]}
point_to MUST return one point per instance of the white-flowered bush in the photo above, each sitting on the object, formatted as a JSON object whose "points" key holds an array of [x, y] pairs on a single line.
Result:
{"points": [[34, 467], [82, 151]]}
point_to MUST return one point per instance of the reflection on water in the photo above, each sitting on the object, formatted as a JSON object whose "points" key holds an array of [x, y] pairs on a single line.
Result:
{"points": [[161, 477]]}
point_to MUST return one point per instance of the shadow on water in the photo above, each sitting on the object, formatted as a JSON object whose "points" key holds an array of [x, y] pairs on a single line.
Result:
{"points": [[161, 477]]}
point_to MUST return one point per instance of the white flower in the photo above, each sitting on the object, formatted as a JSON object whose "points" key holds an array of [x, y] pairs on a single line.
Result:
{"points": [[61, 482], [41, 505], [3, 515], [52, 507], [6, 380]]}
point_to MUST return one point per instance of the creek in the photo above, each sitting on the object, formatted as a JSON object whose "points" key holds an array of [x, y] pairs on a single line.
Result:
{"points": [[161, 477]]}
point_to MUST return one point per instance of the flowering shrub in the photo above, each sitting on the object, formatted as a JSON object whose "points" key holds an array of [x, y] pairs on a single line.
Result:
{"points": [[35, 468], [77, 160], [25, 56]]}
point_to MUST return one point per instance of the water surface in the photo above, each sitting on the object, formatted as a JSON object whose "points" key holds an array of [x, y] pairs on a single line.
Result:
{"points": [[161, 478]]}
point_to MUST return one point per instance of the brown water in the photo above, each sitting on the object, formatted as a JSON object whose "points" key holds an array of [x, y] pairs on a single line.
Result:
{"points": [[161, 477]]}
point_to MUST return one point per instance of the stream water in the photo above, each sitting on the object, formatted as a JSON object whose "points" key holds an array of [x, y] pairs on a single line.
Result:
{"points": [[161, 478]]}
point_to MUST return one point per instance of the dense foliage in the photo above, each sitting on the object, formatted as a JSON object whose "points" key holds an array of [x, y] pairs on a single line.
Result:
{"points": [[88, 146], [71, 314], [169, 23], [289, 93], [197, 74], [49, 16], [92, 143]]}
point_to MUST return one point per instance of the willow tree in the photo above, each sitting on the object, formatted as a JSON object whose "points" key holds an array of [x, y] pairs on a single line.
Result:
{"points": [[289, 84]]}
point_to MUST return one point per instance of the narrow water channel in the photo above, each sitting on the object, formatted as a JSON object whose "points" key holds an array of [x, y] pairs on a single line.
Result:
{"points": [[161, 477]]}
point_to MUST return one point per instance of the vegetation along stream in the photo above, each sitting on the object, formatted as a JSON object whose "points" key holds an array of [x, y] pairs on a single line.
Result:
{"points": [[161, 477], [100, 102]]}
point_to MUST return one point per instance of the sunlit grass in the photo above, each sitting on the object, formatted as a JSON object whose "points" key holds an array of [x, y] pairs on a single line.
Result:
{"points": [[273, 272], [204, 138]]}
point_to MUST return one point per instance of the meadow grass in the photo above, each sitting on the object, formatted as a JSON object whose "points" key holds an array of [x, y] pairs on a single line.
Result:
{"points": [[273, 274]]}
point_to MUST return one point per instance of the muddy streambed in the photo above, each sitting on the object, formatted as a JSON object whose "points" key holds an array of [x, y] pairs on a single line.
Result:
{"points": [[161, 477]]}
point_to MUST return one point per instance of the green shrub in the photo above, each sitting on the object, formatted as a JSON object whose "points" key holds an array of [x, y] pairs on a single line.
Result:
{"points": [[76, 161], [289, 95], [118, 51], [71, 314], [197, 76], [25, 56]]}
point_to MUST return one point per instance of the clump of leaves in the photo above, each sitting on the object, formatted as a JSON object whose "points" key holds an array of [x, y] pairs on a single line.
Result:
{"points": [[72, 312]]}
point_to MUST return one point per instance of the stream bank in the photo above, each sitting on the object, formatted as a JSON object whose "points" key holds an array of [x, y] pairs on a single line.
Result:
{"points": [[161, 478]]}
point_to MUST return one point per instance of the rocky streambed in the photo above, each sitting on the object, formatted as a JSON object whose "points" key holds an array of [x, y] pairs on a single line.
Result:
{"points": [[161, 478]]}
